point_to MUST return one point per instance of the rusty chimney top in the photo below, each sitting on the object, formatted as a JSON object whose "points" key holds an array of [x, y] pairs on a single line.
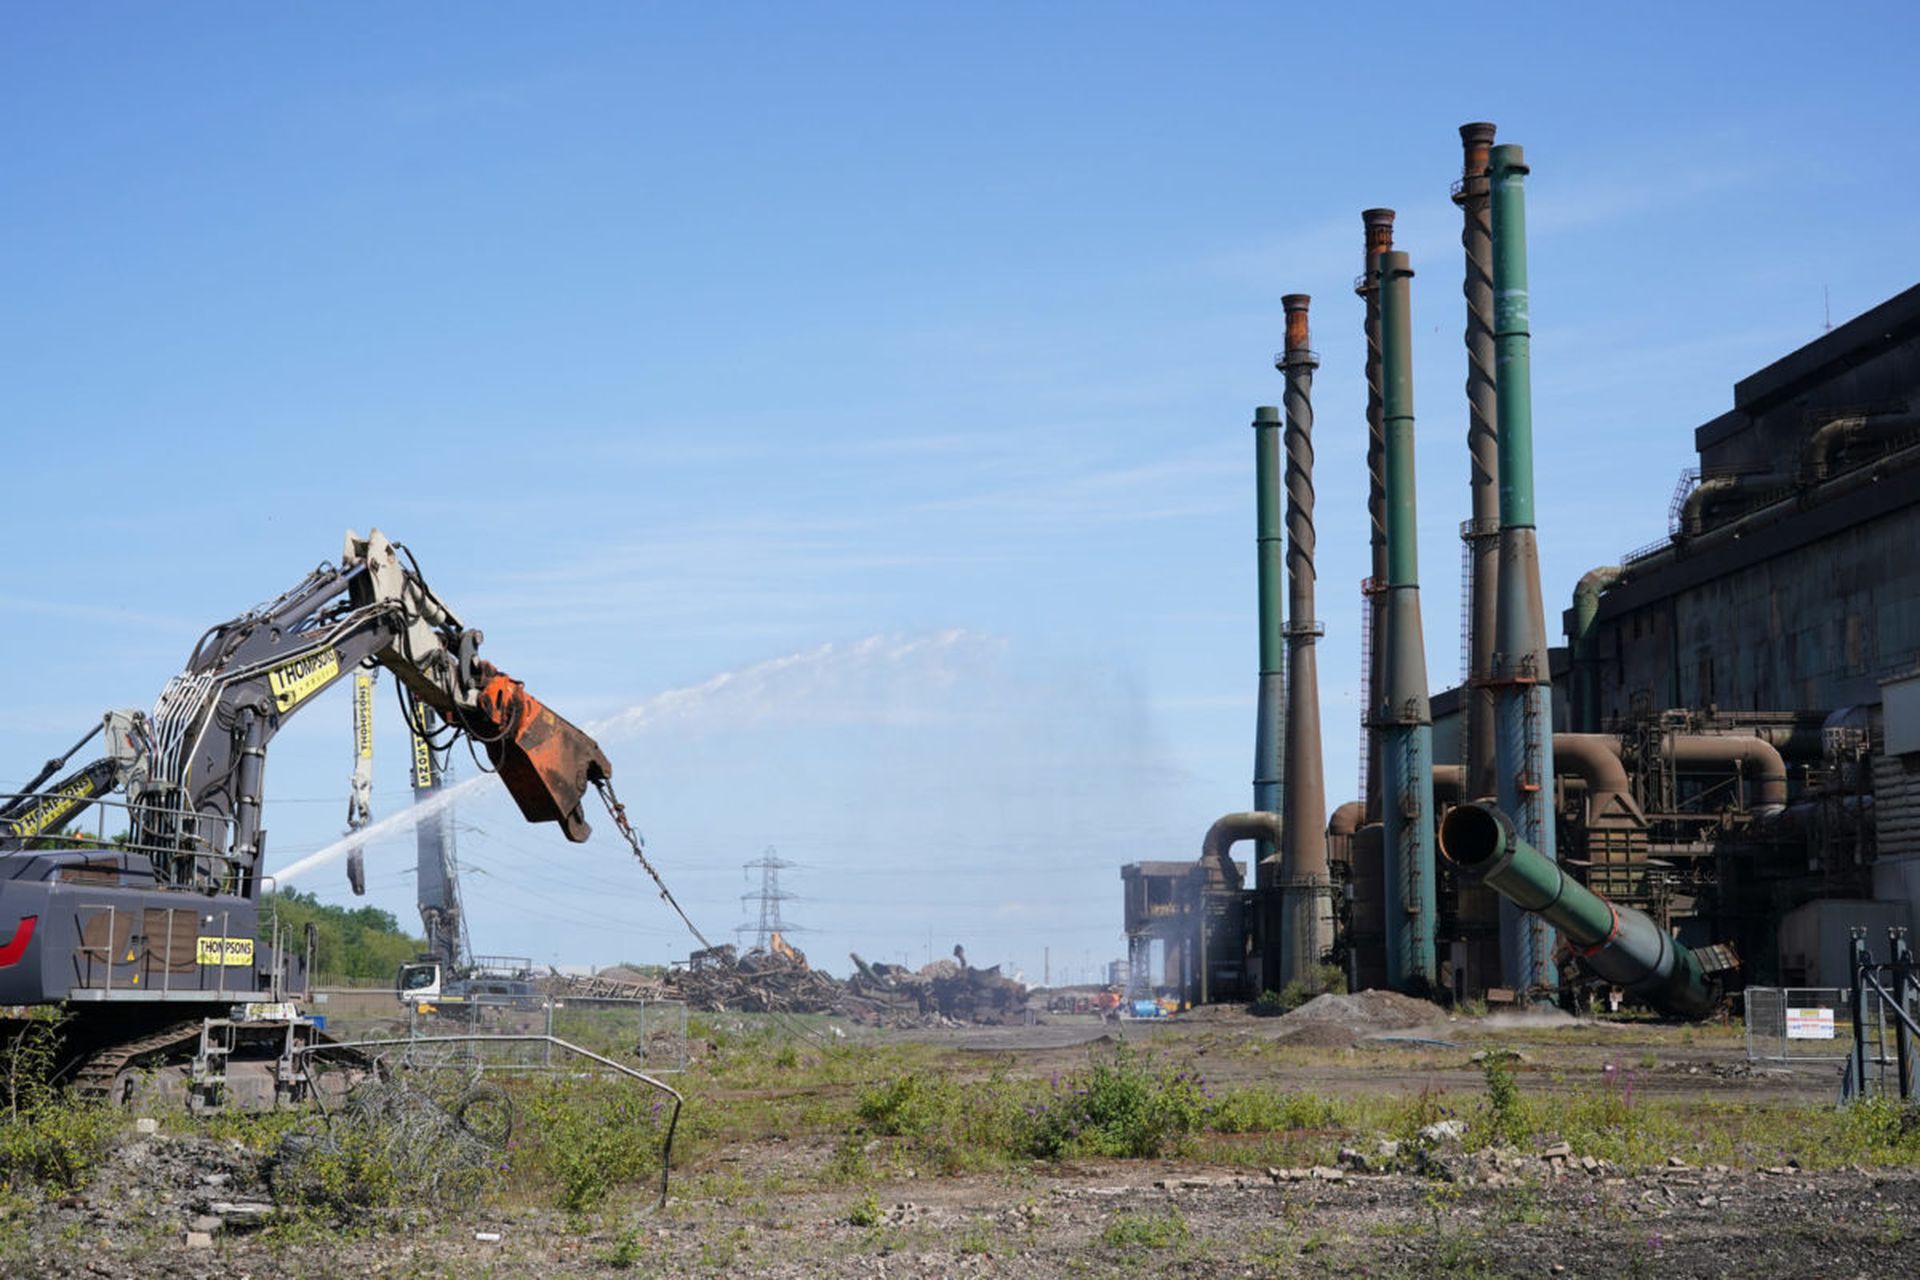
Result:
{"points": [[1379, 239], [1298, 343]]}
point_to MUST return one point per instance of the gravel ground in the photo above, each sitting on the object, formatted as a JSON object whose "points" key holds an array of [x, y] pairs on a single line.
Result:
{"points": [[160, 1206], [1521, 1216]]}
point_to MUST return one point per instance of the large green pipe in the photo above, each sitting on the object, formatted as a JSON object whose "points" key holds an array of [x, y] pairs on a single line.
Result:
{"points": [[1401, 707], [1520, 677], [1620, 944]]}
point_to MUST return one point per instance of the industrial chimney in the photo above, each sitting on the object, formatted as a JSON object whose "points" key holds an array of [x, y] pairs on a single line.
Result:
{"points": [[1520, 677], [1476, 909], [1378, 228], [1306, 916], [1401, 708], [1482, 531]]}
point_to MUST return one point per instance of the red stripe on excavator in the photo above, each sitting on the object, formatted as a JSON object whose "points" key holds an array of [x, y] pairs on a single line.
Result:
{"points": [[16, 946]]}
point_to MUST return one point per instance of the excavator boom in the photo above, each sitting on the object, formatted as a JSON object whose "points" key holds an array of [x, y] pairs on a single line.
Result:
{"points": [[167, 912]]}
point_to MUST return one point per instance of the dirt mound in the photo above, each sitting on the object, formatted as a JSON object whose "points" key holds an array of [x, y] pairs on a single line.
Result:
{"points": [[1234, 1012], [1340, 1021]]}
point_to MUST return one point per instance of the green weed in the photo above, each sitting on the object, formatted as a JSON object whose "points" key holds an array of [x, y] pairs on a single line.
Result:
{"points": [[865, 1212], [55, 1147], [1120, 1106], [629, 1249], [1506, 1119], [1162, 1230]]}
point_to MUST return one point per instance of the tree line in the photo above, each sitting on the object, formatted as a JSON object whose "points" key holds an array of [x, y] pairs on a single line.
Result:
{"points": [[358, 942]]}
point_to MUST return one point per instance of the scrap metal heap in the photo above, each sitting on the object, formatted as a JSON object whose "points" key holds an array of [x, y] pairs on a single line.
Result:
{"points": [[778, 979]]}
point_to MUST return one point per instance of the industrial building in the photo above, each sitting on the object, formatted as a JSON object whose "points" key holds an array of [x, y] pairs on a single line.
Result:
{"points": [[1725, 751]]}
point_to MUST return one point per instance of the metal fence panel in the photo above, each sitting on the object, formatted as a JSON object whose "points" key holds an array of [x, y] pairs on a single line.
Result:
{"points": [[1771, 1020], [650, 1034]]}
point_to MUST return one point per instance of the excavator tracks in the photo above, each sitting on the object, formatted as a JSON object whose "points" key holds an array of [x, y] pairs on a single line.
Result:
{"points": [[244, 1064], [95, 1079]]}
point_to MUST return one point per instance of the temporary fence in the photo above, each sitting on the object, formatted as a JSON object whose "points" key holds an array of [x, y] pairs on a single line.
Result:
{"points": [[1790, 1024], [1815, 1024], [649, 1034]]}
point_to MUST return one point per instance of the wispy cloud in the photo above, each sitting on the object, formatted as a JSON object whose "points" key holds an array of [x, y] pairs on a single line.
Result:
{"points": [[892, 680]]}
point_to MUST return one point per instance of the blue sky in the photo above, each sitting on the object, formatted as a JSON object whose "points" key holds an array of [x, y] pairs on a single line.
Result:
{"points": [[918, 341]]}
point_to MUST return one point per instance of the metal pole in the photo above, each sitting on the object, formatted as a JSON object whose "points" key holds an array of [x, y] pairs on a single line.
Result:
{"points": [[1857, 961], [1902, 986], [1520, 676], [1402, 707], [1306, 931]]}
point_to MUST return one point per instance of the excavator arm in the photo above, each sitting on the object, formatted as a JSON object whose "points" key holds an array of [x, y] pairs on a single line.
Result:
{"points": [[194, 785]]}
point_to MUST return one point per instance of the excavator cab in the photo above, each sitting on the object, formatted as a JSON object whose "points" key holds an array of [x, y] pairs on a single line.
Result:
{"points": [[418, 982]]}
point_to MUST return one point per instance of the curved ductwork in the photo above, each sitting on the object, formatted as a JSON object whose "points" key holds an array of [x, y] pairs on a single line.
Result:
{"points": [[1583, 645], [1841, 434], [1227, 831], [1449, 783], [1620, 944], [1718, 489], [1595, 759], [1843, 485], [1757, 758], [1347, 818]]}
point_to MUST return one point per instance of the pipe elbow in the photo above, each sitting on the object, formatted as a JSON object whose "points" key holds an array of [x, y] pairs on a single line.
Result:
{"points": [[1816, 459], [1758, 757], [1227, 831], [1595, 759], [1693, 511], [1593, 583], [1347, 818]]}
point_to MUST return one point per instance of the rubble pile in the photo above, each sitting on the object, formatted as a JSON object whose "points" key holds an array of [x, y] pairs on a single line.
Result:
{"points": [[775, 981], [949, 990], [779, 980]]}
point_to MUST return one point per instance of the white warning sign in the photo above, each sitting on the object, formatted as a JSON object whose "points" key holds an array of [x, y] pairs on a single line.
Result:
{"points": [[1809, 1024]]}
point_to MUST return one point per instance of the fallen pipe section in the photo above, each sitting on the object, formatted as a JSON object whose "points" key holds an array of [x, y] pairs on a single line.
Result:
{"points": [[1620, 944]]}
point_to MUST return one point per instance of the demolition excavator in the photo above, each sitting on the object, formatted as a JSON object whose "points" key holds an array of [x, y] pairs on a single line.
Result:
{"points": [[146, 931]]}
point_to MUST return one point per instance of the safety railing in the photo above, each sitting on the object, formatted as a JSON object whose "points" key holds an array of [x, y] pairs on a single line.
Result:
{"points": [[129, 817]]}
